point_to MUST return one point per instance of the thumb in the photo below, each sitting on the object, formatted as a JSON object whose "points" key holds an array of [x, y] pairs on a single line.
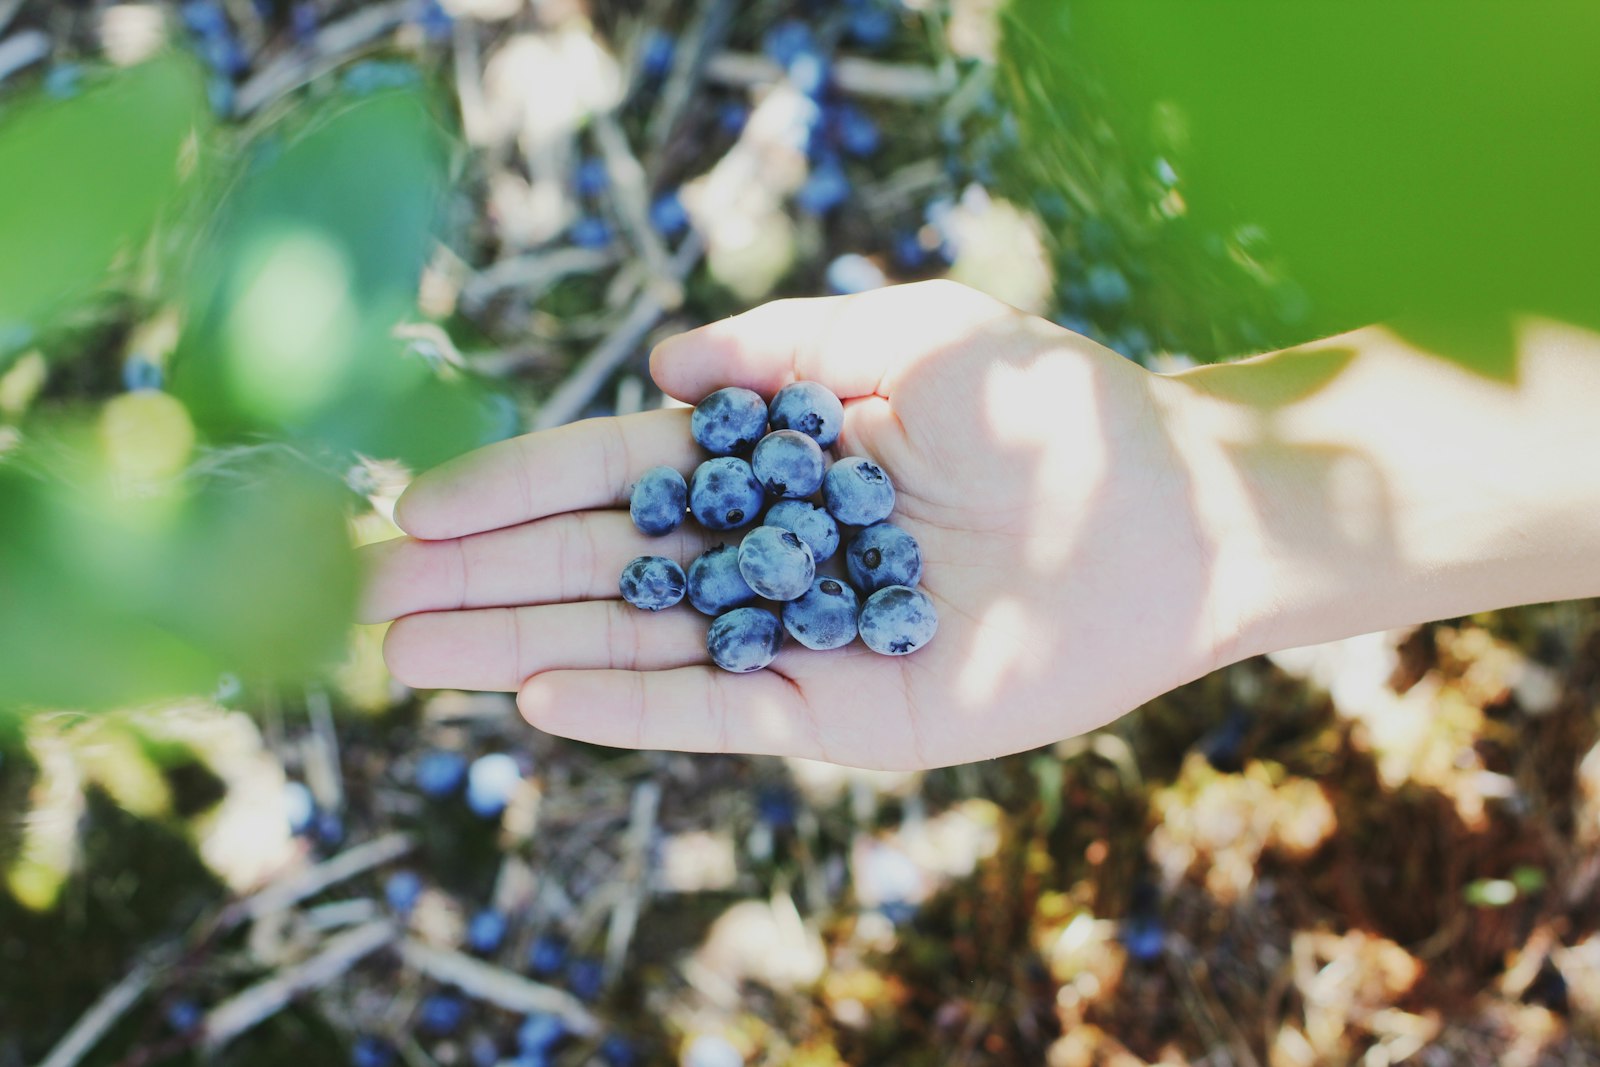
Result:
{"points": [[855, 345]]}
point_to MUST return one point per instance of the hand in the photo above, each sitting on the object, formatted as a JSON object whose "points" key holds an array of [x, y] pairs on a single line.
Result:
{"points": [[1057, 522]]}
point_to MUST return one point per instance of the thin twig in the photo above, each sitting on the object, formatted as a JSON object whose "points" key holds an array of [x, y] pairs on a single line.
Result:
{"points": [[498, 986], [264, 999], [310, 882], [590, 375], [22, 50], [327, 772], [859, 77], [706, 30], [8, 11], [636, 847], [535, 273], [326, 53], [112, 1005], [630, 194]]}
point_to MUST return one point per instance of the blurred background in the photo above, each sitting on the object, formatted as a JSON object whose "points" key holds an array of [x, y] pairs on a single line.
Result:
{"points": [[261, 260]]}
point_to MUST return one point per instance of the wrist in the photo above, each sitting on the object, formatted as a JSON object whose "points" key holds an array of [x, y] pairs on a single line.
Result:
{"points": [[1359, 483]]}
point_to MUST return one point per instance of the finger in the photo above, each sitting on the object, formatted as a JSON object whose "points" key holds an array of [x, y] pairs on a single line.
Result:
{"points": [[854, 345], [496, 648], [562, 558], [587, 464], [692, 709]]}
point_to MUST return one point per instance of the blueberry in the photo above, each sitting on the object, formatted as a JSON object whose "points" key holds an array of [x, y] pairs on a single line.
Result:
{"points": [[591, 232], [652, 583], [1107, 287], [871, 27], [300, 809], [744, 640], [63, 81], [809, 72], [788, 463], [853, 273], [1143, 938], [377, 75], [776, 807], [184, 1016], [655, 58], [440, 773], [483, 1051], [329, 829], [776, 563], [729, 420], [668, 215], [371, 1051], [486, 931], [882, 555], [732, 116], [540, 1033], [807, 521], [441, 1014], [855, 131], [824, 189], [585, 977], [490, 782], [618, 1051], [658, 501], [810, 408], [857, 492], [787, 41], [908, 251], [897, 620], [402, 889], [548, 955], [715, 584], [825, 616], [592, 177], [724, 494]]}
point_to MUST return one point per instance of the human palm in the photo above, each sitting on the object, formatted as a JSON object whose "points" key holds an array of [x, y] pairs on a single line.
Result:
{"points": [[1055, 515]]}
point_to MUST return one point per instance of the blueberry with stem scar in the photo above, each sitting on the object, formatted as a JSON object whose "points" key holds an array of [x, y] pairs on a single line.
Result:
{"points": [[881, 555], [776, 563], [724, 494], [825, 617], [744, 639], [897, 620], [788, 464], [729, 420], [810, 408], [857, 492]]}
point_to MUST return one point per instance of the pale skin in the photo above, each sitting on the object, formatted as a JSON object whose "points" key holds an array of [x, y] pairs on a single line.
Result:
{"points": [[1094, 534]]}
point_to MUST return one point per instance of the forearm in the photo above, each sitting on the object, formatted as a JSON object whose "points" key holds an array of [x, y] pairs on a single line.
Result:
{"points": [[1358, 483]]}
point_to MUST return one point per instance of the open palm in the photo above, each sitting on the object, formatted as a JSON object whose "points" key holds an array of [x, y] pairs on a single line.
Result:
{"points": [[1055, 515]]}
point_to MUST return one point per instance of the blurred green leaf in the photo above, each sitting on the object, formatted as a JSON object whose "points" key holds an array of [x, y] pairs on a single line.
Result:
{"points": [[314, 259], [113, 599], [1429, 168], [83, 180]]}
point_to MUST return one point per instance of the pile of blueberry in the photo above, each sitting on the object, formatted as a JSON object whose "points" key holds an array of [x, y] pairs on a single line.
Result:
{"points": [[770, 481]]}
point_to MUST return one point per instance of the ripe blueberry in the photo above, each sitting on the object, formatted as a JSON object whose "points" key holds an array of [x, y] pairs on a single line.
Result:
{"points": [[724, 494], [776, 563], [729, 420], [744, 640], [658, 501], [825, 617], [715, 584], [809, 408], [857, 492], [653, 583], [808, 522], [883, 555], [898, 620], [788, 463]]}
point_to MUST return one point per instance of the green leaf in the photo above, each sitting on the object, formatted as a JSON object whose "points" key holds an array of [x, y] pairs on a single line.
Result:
{"points": [[114, 599], [313, 261], [83, 180]]}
